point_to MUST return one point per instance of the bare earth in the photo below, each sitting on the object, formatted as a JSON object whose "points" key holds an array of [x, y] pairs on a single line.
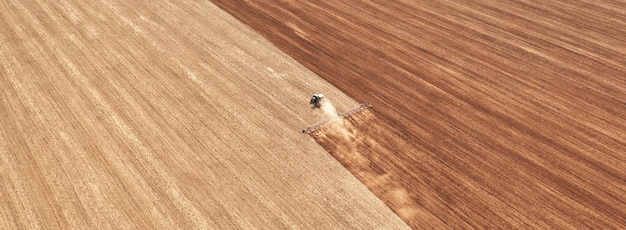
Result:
{"points": [[487, 114], [162, 115]]}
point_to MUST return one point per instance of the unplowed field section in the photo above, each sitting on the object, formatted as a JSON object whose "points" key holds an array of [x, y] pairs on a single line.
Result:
{"points": [[488, 113], [162, 114]]}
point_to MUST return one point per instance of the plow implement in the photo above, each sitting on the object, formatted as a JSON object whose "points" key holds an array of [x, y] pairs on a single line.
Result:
{"points": [[344, 115]]}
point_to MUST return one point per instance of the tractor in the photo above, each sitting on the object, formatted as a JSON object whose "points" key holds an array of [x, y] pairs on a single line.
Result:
{"points": [[316, 100]]}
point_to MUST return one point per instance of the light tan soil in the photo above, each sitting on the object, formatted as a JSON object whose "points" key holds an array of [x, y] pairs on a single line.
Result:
{"points": [[162, 115]]}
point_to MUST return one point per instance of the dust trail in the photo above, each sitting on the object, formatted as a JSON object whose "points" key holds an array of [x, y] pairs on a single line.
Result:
{"points": [[330, 111], [338, 125], [354, 150]]}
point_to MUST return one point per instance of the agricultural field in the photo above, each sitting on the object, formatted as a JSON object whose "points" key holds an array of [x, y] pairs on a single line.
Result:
{"points": [[486, 114], [163, 115]]}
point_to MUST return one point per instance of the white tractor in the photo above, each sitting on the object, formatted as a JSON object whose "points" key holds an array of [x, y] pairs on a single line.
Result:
{"points": [[316, 100]]}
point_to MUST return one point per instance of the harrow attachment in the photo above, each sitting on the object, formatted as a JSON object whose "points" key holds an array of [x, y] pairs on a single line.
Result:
{"points": [[344, 115]]}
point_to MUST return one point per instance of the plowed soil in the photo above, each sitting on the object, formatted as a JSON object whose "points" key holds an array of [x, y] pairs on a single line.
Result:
{"points": [[162, 114], [486, 113]]}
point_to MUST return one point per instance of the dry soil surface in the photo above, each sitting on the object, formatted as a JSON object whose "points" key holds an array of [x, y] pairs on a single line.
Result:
{"points": [[486, 113], [162, 115]]}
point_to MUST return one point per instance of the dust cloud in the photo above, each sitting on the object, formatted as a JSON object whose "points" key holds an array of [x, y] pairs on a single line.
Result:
{"points": [[330, 112], [343, 134], [341, 138], [338, 125]]}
